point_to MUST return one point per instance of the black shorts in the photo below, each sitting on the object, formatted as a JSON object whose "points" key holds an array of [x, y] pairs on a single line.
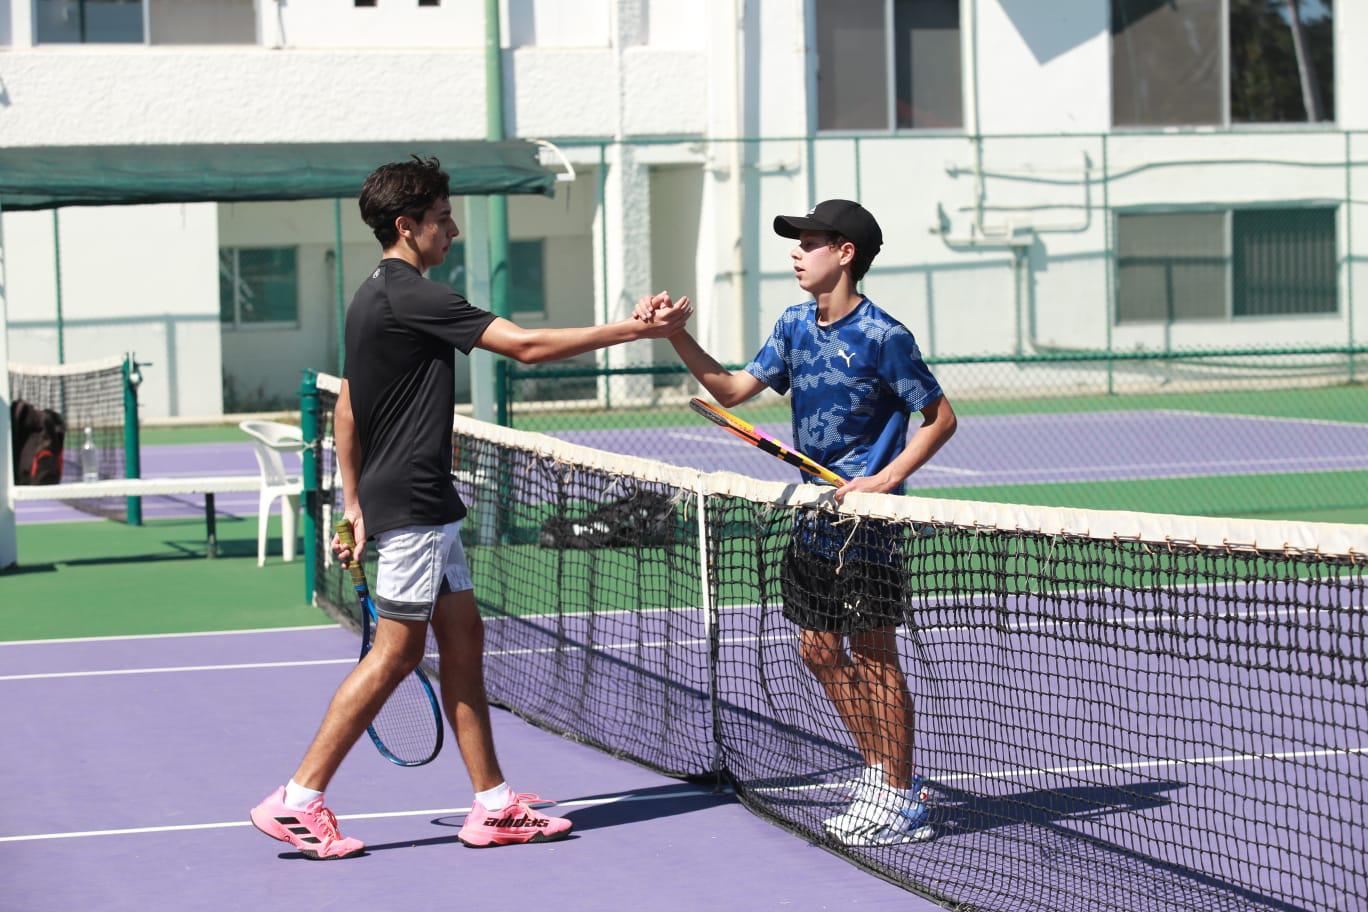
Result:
{"points": [[859, 596]]}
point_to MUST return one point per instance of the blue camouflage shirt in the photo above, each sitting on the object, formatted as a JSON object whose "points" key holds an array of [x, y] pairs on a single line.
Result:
{"points": [[856, 383]]}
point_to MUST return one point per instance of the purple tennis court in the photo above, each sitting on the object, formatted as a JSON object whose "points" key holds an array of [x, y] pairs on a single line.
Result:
{"points": [[142, 756], [1051, 733], [1104, 721]]}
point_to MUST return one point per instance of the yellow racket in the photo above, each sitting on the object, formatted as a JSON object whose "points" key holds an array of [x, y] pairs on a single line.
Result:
{"points": [[758, 438]]}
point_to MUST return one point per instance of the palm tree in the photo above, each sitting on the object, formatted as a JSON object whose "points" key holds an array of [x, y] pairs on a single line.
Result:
{"points": [[1306, 67]]}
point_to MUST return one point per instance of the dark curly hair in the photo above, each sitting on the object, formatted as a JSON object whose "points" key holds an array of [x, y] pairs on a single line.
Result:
{"points": [[401, 188]]}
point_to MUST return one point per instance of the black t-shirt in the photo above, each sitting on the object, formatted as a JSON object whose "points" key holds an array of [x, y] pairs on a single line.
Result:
{"points": [[401, 329]]}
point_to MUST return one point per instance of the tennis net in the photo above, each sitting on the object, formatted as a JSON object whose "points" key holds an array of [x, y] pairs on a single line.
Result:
{"points": [[90, 398], [1111, 710]]}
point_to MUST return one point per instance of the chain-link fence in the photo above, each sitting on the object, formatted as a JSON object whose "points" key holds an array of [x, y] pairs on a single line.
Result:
{"points": [[1271, 433]]}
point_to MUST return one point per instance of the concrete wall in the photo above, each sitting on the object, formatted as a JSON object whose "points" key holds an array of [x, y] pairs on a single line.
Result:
{"points": [[134, 278]]}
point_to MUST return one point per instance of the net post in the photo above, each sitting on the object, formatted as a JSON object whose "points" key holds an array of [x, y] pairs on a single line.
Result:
{"points": [[710, 621], [132, 443], [503, 392], [308, 429]]}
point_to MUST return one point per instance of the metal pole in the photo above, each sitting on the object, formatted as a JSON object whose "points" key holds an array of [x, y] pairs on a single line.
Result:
{"points": [[1109, 259], [340, 301], [858, 175], [603, 259], [308, 429], [57, 279], [498, 205], [1349, 247], [483, 384], [132, 444], [9, 544]]}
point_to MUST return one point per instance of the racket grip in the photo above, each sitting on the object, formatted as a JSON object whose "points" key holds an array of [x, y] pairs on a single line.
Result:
{"points": [[343, 528]]}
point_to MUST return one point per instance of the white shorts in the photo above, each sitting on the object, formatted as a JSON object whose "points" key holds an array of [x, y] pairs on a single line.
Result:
{"points": [[418, 564]]}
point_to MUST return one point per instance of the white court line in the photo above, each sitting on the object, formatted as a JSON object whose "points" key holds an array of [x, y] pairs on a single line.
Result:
{"points": [[929, 467], [1249, 464], [779, 635], [951, 470], [701, 438], [1131, 619], [298, 663], [1153, 764], [229, 824], [166, 636], [1322, 422]]}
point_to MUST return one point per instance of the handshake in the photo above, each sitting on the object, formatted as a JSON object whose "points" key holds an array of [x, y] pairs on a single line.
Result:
{"points": [[660, 316]]}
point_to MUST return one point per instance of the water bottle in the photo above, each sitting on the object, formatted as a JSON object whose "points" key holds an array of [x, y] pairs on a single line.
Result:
{"points": [[90, 457]]}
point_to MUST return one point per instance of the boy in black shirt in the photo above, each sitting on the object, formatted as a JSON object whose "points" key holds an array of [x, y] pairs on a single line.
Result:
{"points": [[393, 436]]}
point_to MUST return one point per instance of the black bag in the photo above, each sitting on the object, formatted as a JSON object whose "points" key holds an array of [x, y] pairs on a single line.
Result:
{"points": [[37, 436], [640, 518]]}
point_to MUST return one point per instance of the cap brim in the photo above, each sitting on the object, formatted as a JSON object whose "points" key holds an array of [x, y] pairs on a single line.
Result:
{"points": [[790, 226]]}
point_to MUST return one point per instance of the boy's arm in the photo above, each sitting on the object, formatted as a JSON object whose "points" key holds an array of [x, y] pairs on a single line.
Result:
{"points": [[937, 427], [347, 452], [531, 346], [726, 387]]}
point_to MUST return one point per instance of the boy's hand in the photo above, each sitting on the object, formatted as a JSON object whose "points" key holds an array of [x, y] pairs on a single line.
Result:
{"points": [[344, 554], [667, 320], [647, 305], [874, 484]]}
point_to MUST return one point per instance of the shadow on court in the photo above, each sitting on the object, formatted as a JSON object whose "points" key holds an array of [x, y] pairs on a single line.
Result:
{"points": [[637, 806]]}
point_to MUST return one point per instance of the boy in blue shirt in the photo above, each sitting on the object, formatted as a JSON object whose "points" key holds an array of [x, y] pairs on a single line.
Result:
{"points": [[856, 377]]}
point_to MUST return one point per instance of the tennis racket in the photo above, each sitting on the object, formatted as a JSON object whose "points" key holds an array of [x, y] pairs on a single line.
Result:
{"points": [[408, 729], [758, 438]]}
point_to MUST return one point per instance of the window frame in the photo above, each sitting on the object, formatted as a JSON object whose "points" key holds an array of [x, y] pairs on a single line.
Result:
{"points": [[1227, 212], [1226, 125], [143, 8], [890, 80], [240, 325]]}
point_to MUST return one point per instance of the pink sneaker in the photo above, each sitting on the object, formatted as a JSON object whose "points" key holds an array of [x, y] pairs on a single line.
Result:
{"points": [[312, 831], [515, 824]]}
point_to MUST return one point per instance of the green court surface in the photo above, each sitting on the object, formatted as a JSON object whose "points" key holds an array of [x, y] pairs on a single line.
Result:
{"points": [[105, 579], [1332, 497], [200, 433]]}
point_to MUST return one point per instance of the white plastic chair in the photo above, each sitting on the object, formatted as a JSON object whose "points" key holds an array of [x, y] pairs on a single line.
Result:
{"points": [[271, 439], [331, 486]]}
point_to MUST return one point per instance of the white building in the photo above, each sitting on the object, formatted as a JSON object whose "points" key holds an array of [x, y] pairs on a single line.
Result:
{"points": [[1046, 178]]}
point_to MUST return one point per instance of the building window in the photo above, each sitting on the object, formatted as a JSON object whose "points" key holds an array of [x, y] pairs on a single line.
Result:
{"points": [[1283, 262], [527, 275], [258, 285], [202, 21], [429, 2], [858, 89], [1191, 64], [88, 21], [1184, 266], [152, 21], [365, 2]]}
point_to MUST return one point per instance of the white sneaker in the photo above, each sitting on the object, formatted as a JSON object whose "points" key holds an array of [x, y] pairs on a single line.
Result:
{"points": [[871, 781], [880, 822]]}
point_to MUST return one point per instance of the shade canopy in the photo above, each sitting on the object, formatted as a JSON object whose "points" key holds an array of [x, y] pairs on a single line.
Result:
{"points": [[47, 177]]}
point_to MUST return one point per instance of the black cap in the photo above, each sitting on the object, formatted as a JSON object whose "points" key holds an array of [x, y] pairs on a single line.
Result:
{"points": [[844, 217]]}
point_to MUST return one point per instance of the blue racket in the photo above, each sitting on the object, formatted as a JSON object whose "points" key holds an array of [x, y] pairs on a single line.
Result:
{"points": [[408, 729]]}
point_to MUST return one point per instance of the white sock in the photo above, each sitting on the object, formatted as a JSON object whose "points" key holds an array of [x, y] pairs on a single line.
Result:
{"points": [[297, 797], [873, 777], [495, 799]]}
